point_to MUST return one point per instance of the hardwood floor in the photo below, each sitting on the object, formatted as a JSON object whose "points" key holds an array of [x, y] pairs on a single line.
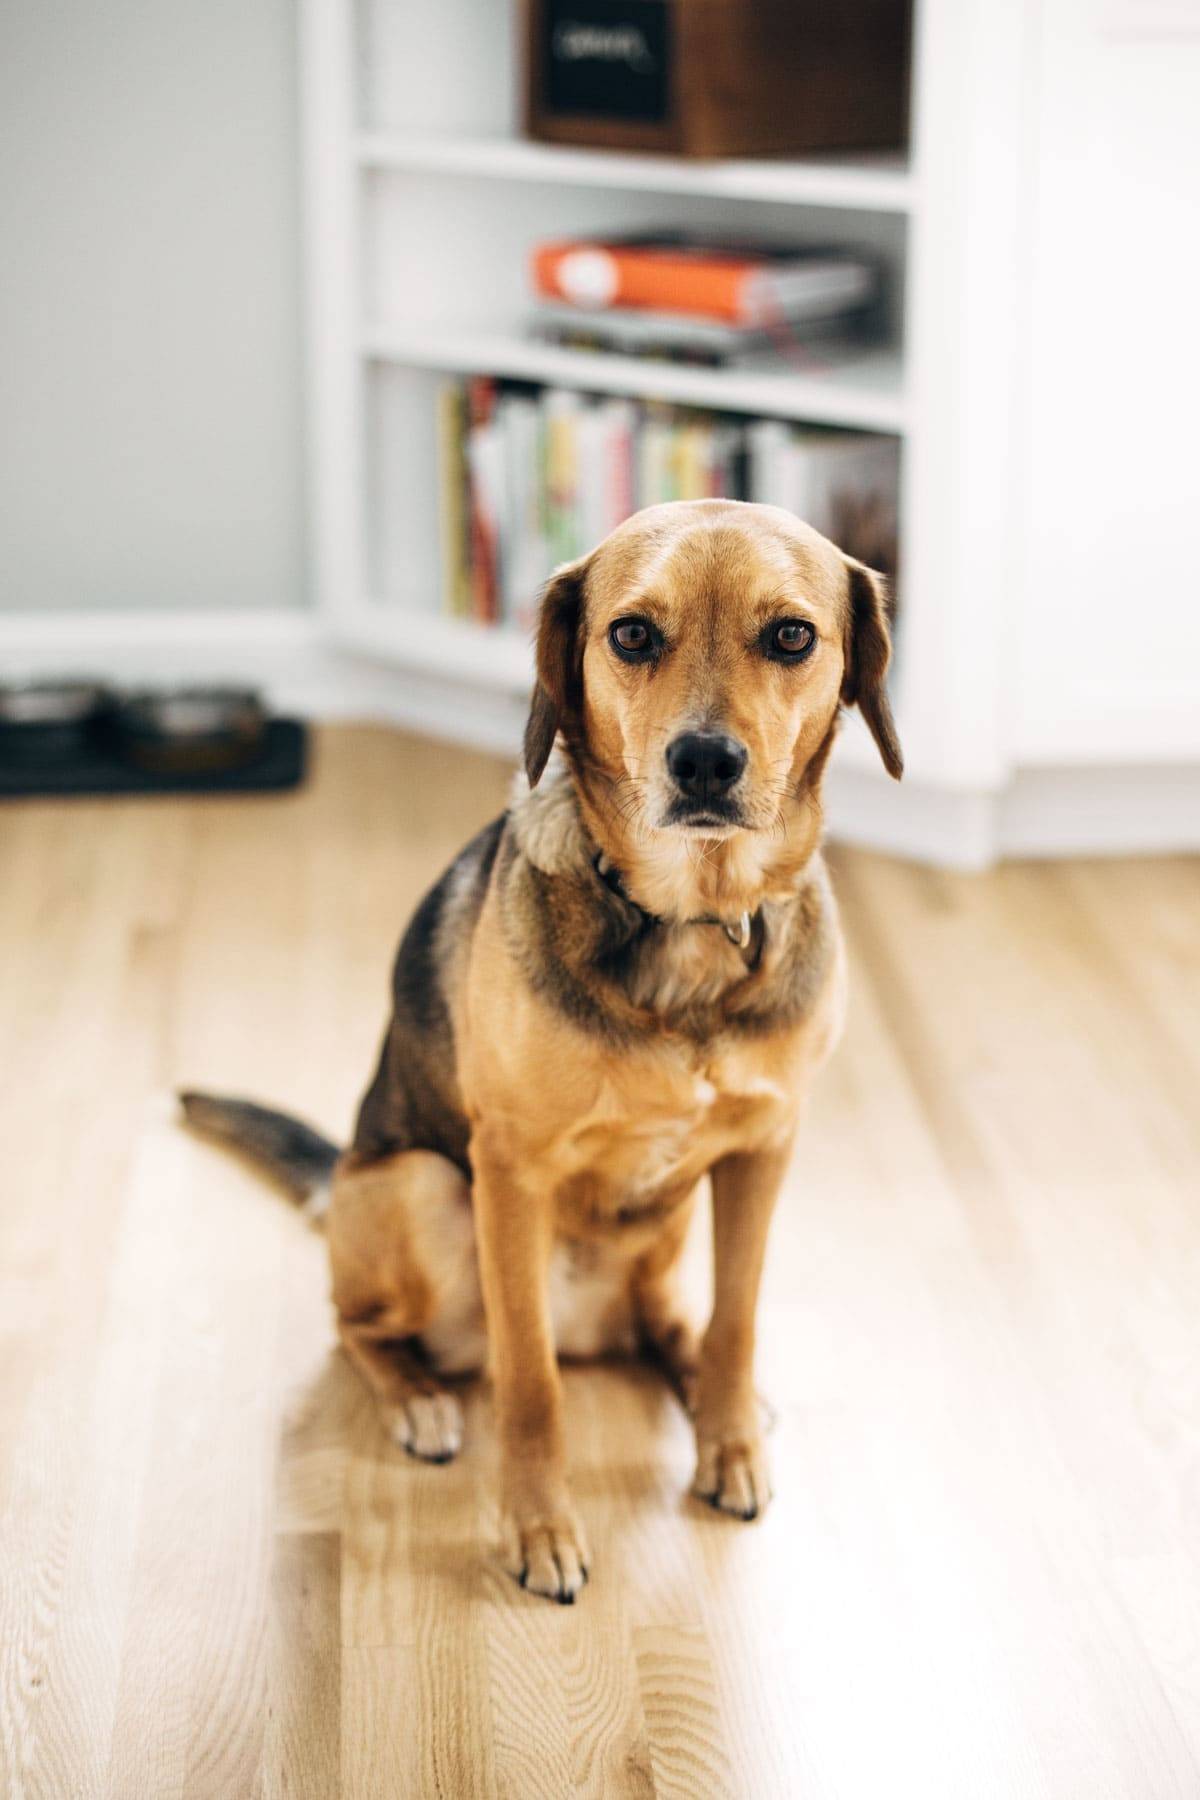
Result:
{"points": [[981, 1576]]}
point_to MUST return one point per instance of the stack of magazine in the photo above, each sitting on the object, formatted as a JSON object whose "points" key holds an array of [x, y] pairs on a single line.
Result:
{"points": [[698, 300], [532, 477]]}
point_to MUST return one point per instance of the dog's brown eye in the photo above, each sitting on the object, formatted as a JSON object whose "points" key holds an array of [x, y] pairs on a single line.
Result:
{"points": [[632, 638], [790, 639]]}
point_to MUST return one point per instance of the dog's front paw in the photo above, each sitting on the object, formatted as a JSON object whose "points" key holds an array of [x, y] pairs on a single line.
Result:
{"points": [[428, 1426], [733, 1475], [547, 1556]]}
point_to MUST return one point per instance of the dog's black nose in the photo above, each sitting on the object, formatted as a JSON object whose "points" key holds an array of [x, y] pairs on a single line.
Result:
{"points": [[705, 764]]}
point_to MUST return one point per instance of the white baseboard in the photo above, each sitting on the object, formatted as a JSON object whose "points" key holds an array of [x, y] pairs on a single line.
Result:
{"points": [[1139, 810], [924, 824], [1142, 811], [1043, 812]]}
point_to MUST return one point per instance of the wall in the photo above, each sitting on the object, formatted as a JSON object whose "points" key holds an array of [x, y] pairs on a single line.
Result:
{"points": [[150, 403]]}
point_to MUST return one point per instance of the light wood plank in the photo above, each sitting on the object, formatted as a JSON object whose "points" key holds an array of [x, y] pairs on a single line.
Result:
{"points": [[302, 1753]]}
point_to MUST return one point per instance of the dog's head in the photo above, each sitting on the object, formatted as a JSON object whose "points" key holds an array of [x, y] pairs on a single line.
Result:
{"points": [[695, 663]]}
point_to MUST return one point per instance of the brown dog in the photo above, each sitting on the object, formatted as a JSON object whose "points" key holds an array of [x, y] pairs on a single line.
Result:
{"points": [[623, 985]]}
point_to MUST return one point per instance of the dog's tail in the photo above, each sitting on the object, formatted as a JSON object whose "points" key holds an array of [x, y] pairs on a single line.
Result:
{"points": [[299, 1158]]}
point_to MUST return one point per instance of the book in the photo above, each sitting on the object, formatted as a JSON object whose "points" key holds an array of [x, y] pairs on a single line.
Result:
{"points": [[767, 447], [485, 466], [523, 557], [618, 473], [453, 498], [676, 337], [744, 285], [560, 413]]}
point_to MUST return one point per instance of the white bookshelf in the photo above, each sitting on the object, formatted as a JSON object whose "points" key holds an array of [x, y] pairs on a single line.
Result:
{"points": [[423, 202], [866, 392]]}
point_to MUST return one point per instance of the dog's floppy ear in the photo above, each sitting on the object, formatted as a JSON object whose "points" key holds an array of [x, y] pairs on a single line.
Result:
{"points": [[868, 653], [558, 688]]}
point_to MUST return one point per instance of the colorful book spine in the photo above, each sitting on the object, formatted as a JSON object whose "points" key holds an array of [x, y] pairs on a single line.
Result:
{"points": [[454, 499], [523, 557], [618, 466], [483, 463]]}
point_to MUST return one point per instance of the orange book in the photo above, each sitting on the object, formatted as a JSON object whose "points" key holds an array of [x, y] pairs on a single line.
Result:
{"points": [[741, 286]]}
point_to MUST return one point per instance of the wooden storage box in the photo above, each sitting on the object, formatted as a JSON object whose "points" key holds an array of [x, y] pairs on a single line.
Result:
{"points": [[719, 77]]}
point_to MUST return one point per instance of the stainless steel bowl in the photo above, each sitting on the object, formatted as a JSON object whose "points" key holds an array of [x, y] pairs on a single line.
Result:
{"points": [[50, 720], [187, 729]]}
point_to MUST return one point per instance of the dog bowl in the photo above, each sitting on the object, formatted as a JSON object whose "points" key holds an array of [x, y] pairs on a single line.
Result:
{"points": [[188, 730], [50, 721]]}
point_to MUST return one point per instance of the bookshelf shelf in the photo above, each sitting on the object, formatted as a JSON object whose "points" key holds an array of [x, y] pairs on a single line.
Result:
{"points": [[880, 184], [867, 393]]}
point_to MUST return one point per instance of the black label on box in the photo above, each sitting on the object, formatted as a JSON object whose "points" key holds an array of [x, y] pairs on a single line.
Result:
{"points": [[607, 59]]}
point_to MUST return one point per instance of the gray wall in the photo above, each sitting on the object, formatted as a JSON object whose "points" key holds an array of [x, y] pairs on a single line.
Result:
{"points": [[150, 405]]}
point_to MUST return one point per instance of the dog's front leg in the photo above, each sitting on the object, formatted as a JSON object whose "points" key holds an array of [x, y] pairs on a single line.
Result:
{"points": [[545, 1548], [731, 1465]]}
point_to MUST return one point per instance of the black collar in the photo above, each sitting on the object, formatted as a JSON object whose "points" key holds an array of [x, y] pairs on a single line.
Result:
{"points": [[745, 932]]}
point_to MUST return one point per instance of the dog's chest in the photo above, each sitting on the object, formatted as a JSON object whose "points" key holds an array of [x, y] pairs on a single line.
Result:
{"points": [[654, 1131], [628, 1170]]}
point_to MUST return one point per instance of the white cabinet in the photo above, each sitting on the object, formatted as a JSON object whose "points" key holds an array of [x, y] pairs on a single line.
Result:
{"points": [[1109, 561]]}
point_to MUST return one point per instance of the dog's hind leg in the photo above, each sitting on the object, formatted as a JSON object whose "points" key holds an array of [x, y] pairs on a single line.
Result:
{"points": [[406, 1289], [669, 1336]]}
